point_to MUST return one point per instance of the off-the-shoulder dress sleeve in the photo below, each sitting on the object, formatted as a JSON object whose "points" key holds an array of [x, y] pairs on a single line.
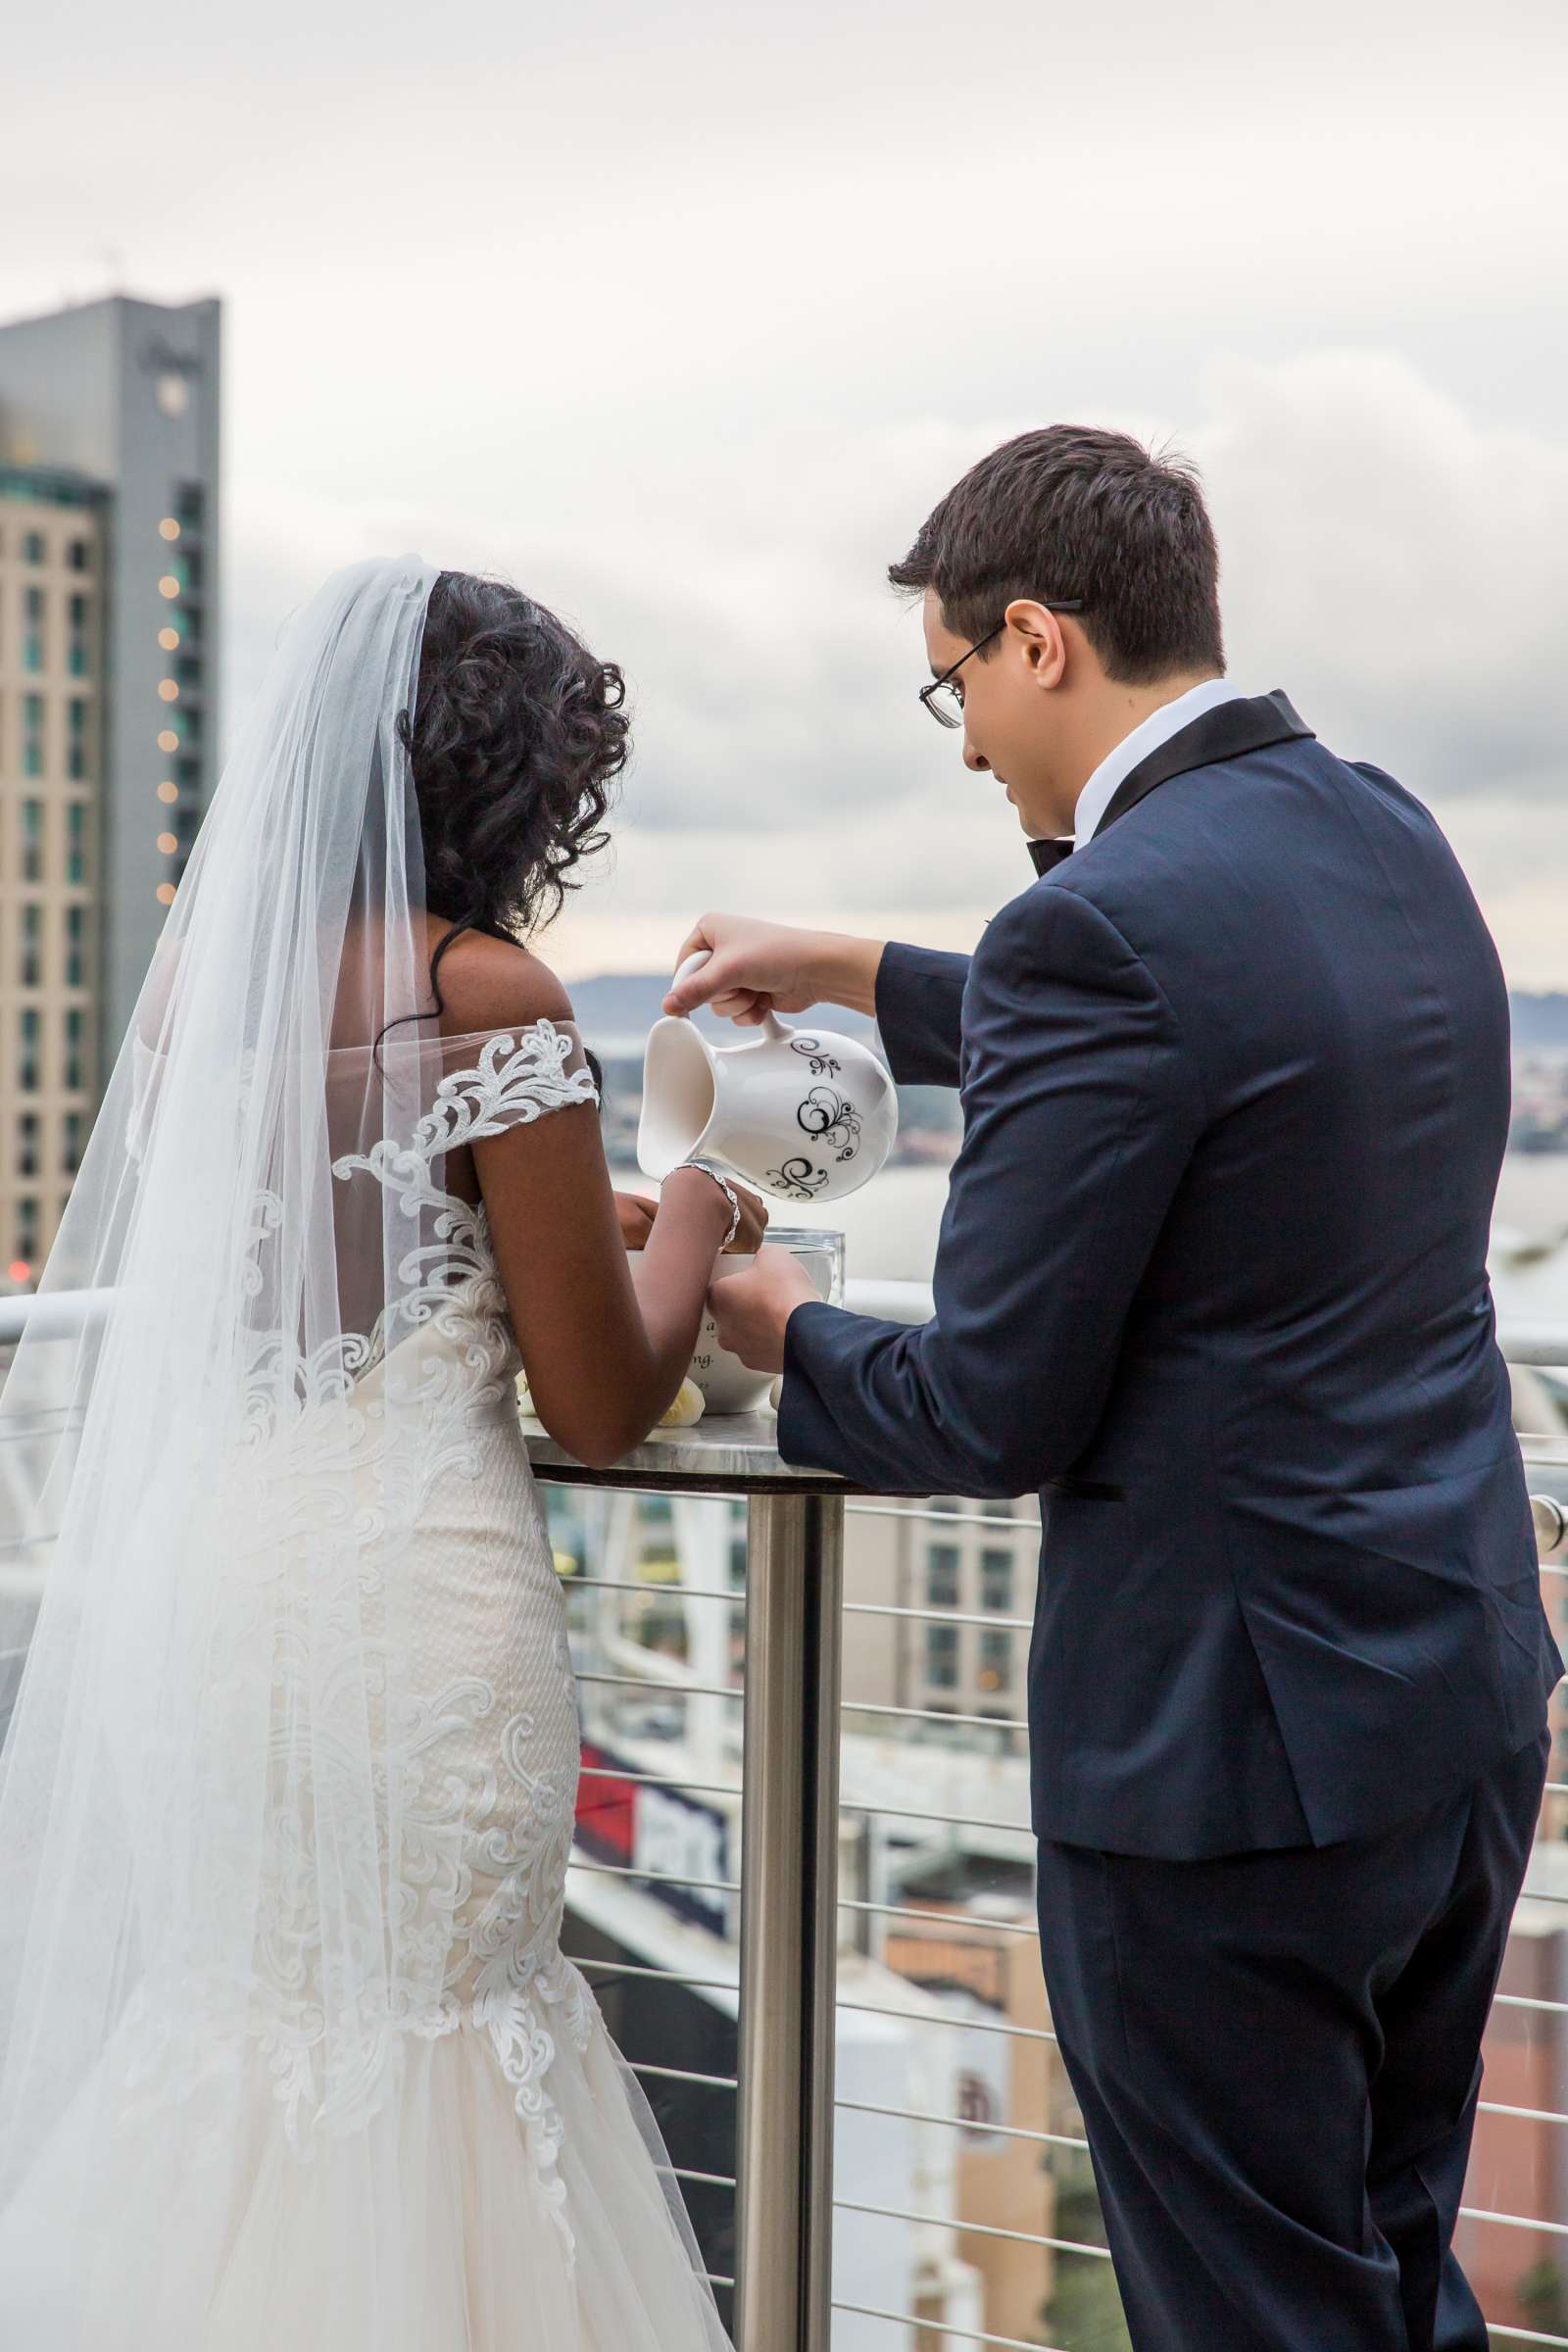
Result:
{"points": [[507, 1078]]}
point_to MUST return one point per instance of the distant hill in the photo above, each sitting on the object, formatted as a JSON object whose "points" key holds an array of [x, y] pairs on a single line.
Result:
{"points": [[626, 1004], [1539, 1020]]}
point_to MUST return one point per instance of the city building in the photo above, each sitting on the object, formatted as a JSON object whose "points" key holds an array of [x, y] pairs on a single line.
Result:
{"points": [[109, 575]]}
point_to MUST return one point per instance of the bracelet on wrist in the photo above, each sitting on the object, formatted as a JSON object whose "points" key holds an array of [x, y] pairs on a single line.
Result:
{"points": [[726, 1188]]}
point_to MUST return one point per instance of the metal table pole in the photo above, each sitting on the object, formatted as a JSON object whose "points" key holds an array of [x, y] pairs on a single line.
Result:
{"points": [[789, 1943], [789, 1853]]}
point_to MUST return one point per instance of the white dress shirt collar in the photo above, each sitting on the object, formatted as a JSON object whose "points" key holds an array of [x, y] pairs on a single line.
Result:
{"points": [[1148, 736]]}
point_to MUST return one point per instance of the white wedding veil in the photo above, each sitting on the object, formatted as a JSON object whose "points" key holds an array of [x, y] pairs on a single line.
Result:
{"points": [[217, 1430]]}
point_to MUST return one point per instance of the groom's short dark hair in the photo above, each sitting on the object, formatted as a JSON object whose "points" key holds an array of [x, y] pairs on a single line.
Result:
{"points": [[1071, 510]]}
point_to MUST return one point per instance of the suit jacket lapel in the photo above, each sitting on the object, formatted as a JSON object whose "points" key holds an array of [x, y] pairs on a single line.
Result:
{"points": [[1250, 725]]}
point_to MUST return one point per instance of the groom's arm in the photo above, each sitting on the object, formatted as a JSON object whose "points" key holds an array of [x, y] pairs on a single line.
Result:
{"points": [[1081, 1109], [920, 996]]}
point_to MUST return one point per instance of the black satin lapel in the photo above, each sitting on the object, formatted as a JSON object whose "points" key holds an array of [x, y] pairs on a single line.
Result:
{"points": [[1250, 725]]}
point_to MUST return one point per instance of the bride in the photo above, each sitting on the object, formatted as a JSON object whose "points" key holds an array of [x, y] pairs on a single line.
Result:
{"points": [[290, 2055]]}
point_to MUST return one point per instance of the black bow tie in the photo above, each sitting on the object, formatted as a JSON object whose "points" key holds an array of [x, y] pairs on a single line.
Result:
{"points": [[1050, 851]]}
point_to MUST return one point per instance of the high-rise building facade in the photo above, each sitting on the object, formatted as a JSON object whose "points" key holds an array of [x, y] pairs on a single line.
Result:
{"points": [[109, 575]]}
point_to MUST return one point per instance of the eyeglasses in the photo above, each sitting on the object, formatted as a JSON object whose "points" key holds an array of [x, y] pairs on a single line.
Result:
{"points": [[944, 700]]}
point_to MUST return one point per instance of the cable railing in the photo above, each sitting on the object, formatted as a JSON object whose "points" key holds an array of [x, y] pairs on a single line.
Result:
{"points": [[787, 1996], [935, 1921]]}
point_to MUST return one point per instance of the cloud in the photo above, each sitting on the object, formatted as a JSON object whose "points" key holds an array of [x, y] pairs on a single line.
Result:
{"points": [[1396, 565], [1402, 568]]}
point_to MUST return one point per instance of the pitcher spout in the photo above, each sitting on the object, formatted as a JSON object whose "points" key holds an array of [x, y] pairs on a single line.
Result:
{"points": [[679, 1093]]}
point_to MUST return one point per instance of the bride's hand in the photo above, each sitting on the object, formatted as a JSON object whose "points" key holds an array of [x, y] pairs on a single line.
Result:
{"points": [[695, 1187], [753, 1225], [636, 1216]]}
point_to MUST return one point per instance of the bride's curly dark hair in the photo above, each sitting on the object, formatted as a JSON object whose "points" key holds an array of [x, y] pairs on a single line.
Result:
{"points": [[515, 739]]}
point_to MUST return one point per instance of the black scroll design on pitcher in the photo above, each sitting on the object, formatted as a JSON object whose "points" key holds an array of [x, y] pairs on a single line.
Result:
{"points": [[797, 1179], [830, 1119], [823, 1065]]}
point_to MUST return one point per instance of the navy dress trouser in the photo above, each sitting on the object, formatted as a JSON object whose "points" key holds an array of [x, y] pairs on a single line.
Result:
{"points": [[1277, 2059]]}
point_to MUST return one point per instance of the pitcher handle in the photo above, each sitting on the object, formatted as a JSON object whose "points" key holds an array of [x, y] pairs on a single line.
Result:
{"points": [[770, 1026]]}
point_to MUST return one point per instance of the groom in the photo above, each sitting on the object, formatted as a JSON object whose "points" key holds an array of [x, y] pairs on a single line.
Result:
{"points": [[1212, 1279]]}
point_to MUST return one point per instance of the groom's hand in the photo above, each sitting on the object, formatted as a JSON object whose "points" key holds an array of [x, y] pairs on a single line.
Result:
{"points": [[751, 1309], [754, 968]]}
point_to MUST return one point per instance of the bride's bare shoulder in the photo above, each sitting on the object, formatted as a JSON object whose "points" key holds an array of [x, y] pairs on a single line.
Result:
{"points": [[495, 984]]}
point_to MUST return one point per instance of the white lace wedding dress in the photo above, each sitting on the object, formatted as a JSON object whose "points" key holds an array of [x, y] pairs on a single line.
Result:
{"points": [[519, 2148]]}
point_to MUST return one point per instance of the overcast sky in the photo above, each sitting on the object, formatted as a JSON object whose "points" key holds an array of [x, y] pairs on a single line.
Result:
{"points": [[684, 314]]}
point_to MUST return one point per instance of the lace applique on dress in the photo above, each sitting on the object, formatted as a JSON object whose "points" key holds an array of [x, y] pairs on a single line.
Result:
{"points": [[519, 1075], [477, 1766]]}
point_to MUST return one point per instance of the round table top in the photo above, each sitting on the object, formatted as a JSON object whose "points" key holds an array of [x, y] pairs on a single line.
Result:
{"points": [[730, 1453]]}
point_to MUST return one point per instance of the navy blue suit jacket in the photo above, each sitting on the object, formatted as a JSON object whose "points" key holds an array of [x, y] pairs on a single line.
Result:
{"points": [[1211, 1277]]}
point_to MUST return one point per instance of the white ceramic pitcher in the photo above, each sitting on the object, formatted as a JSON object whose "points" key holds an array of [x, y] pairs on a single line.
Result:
{"points": [[804, 1115]]}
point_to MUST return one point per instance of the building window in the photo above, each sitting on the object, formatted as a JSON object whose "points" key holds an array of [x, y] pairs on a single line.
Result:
{"points": [[995, 1579], [76, 739], [75, 1024], [28, 1062], [80, 555], [27, 1227], [190, 506], [33, 630], [995, 1658], [74, 1122], [27, 1144], [80, 642], [76, 947], [188, 669], [32, 734], [31, 963], [77, 842], [33, 547], [32, 841], [941, 1576], [942, 1656]]}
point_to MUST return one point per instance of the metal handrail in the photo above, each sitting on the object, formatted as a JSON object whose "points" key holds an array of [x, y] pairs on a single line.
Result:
{"points": [[931, 1518], [990, 1723], [1513, 2221], [979, 2335], [846, 1805], [943, 2220], [947, 2024], [684, 2074], [668, 1976], [974, 1923], [664, 1877], [670, 1689], [966, 2123]]}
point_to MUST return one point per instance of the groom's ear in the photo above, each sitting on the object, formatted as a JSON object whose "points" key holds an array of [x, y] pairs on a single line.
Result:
{"points": [[1037, 635]]}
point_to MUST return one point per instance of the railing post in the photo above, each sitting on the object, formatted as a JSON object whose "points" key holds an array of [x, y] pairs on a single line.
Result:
{"points": [[1551, 1525], [789, 1923]]}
